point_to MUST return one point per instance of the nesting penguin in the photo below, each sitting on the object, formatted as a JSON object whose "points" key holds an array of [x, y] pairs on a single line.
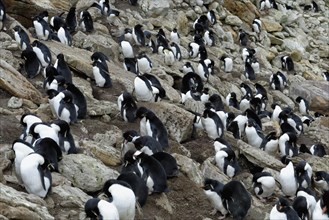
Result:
{"points": [[288, 180], [212, 123], [43, 53], [226, 161], [228, 63], [42, 28], [263, 184], [102, 77], [303, 105], [287, 63], [98, 208], [32, 65]]}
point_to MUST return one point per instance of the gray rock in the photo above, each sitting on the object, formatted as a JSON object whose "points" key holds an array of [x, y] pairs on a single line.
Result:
{"points": [[233, 20], [155, 8], [15, 102], [210, 170], [190, 168], [20, 205], [85, 172]]}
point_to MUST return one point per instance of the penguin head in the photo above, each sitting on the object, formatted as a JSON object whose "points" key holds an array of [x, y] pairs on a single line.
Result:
{"points": [[129, 135], [64, 127], [52, 93], [68, 97], [319, 175], [17, 28], [99, 56], [24, 117], [109, 183], [282, 205], [51, 71], [28, 54], [211, 184], [174, 30], [138, 27], [325, 202], [128, 158], [91, 208], [285, 160], [298, 99], [60, 56], [142, 112]]}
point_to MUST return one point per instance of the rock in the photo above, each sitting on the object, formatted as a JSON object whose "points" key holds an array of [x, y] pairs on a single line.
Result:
{"points": [[155, 8], [99, 108], [246, 10], [20, 205], [210, 170], [85, 172], [16, 84], [15, 102], [271, 26], [190, 168], [278, 95], [316, 92], [68, 198], [177, 120], [163, 202], [233, 20]]}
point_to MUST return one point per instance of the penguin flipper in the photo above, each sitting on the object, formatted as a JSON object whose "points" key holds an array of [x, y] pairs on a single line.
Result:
{"points": [[41, 172]]}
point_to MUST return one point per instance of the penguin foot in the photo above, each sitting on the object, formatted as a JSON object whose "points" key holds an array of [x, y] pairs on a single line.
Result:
{"points": [[213, 212], [221, 217], [139, 208]]}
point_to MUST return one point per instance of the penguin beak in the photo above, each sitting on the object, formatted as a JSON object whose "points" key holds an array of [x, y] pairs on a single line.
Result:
{"points": [[51, 167], [324, 210]]}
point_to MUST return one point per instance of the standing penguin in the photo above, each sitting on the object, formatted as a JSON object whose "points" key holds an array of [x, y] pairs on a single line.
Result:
{"points": [[143, 89], [270, 143], [236, 199], [287, 63], [287, 145], [95, 208], [122, 196], [249, 72], [211, 17], [257, 25], [226, 161], [151, 125], [78, 99], [169, 56], [254, 133], [153, 172], [143, 63], [43, 53], [212, 123], [321, 210], [174, 36], [21, 37], [263, 184], [127, 49], [35, 175], [228, 64], [138, 35], [42, 28], [213, 190], [71, 19], [86, 22], [209, 38], [62, 68], [147, 144], [288, 181], [231, 100], [127, 107], [243, 38], [278, 81], [303, 105], [101, 76], [168, 163], [304, 174], [64, 35], [100, 57], [32, 65], [67, 110], [304, 203], [283, 210]]}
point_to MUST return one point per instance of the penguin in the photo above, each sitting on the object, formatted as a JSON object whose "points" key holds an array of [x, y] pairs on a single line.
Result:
{"points": [[321, 210], [100, 57], [308, 201], [143, 63], [243, 38], [127, 49], [247, 52], [62, 68], [303, 105], [66, 141], [288, 180], [137, 184], [151, 125], [213, 190], [244, 103], [53, 80], [221, 143], [315, 149], [32, 65], [254, 134], [174, 36], [153, 172], [129, 64], [127, 107], [276, 112], [212, 123], [2, 14], [205, 95], [211, 17], [44, 15], [237, 126], [249, 72], [169, 56], [56, 22], [236, 199], [128, 144], [147, 144], [122, 196], [228, 64], [209, 38], [143, 89], [101, 76], [232, 101], [321, 180], [43, 53], [42, 28], [176, 50], [67, 110], [270, 143], [27, 120], [257, 25], [71, 19], [21, 149], [191, 81], [203, 70], [283, 210], [168, 163], [97, 208], [311, 7], [193, 49], [253, 116], [216, 102], [21, 37], [36, 177], [300, 206], [263, 184], [287, 145], [200, 24], [187, 68], [86, 22], [138, 35], [246, 90], [254, 64], [226, 161], [48, 148], [287, 63], [104, 7], [325, 76], [307, 120], [278, 81], [303, 172], [293, 120], [78, 99], [64, 35]]}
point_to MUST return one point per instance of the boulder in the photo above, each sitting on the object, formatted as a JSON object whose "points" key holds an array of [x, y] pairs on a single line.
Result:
{"points": [[245, 10], [155, 8], [20, 205], [85, 172], [16, 84]]}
